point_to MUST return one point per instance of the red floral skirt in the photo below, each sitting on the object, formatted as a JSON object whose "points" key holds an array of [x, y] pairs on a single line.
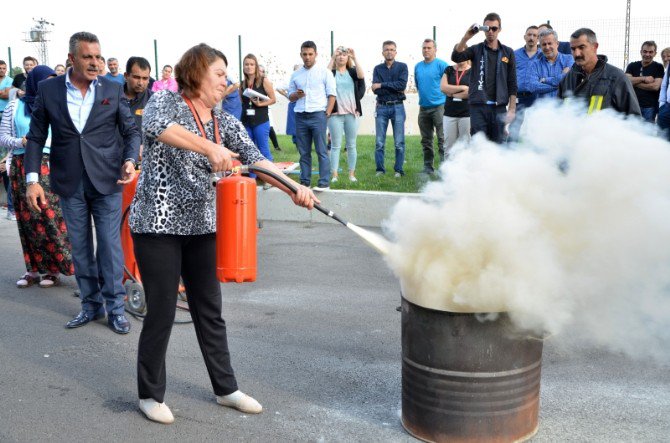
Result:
{"points": [[46, 247]]}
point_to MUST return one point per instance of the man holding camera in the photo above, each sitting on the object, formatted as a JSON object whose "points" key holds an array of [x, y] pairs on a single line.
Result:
{"points": [[493, 86]]}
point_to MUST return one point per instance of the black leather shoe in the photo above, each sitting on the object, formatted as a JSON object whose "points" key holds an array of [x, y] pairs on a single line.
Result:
{"points": [[82, 318], [118, 323]]}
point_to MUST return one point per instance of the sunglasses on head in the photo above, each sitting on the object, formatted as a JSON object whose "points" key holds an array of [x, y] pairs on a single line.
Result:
{"points": [[493, 29]]}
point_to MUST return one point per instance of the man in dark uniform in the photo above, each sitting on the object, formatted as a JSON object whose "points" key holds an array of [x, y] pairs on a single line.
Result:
{"points": [[592, 78]]}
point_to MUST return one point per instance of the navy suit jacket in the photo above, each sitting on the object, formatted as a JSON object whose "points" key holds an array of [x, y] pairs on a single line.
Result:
{"points": [[98, 149]]}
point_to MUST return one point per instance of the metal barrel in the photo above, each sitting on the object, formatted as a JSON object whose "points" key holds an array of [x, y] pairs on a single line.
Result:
{"points": [[466, 378]]}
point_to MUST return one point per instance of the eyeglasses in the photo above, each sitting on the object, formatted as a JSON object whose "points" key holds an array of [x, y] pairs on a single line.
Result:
{"points": [[493, 29]]}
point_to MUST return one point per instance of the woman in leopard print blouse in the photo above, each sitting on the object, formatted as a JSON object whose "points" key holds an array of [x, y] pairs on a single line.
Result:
{"points": [[173, 223]]}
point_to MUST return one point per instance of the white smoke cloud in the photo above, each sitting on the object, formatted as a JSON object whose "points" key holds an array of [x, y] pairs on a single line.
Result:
{"points": [[586, 249]]}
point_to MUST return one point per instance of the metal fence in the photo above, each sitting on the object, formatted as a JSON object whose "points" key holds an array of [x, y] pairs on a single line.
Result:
{"points": [[612, 35]]}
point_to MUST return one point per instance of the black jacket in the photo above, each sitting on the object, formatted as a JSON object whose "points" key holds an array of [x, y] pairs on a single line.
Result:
{"points": [[97, 149], [359, 90], [606, 87], [505, 73]]}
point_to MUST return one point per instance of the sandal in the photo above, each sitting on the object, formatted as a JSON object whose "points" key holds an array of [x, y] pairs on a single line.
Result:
{"points": [[26, 281], [48, 281]]}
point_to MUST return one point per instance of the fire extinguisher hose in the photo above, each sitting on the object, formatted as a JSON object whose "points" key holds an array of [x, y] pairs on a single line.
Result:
{"points": [[375, 240], [291, 185]]}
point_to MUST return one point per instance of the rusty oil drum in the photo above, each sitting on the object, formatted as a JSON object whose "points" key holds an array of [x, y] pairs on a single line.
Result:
{"points": [[466, 379]]}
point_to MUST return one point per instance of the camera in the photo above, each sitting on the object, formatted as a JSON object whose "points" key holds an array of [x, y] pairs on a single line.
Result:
{"points": [[478, 28]]}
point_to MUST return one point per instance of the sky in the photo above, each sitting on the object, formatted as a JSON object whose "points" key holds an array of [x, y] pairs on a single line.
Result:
{"points": [[274, 30]]}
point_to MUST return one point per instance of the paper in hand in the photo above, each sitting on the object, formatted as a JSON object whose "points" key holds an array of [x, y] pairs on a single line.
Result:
{"points": [[250, 93]]}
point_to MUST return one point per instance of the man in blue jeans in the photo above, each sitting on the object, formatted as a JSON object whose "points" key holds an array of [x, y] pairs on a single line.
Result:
{"points": [[312, 88], [646, 76], [389, 80]]}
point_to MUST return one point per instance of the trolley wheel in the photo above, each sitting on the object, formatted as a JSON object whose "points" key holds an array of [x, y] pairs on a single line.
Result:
{"points": [[135, 300]]}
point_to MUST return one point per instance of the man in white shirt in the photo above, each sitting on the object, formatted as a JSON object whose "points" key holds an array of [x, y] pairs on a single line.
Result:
{"points": [[312, 88]]}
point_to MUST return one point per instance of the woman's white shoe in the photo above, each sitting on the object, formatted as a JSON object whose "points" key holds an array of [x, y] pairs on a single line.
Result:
{"points": [[158, 412], [240, 401]]}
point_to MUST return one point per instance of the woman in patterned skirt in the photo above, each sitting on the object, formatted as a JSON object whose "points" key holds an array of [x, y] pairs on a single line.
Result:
{"points": [[46, 248]]}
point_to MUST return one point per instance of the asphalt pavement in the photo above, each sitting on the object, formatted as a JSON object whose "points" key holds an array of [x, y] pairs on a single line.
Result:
{"points": [[316, 339]]}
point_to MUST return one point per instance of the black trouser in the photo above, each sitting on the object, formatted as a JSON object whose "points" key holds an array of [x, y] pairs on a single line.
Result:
{"points": [[161, 260], [273, 138], [490, 120]]}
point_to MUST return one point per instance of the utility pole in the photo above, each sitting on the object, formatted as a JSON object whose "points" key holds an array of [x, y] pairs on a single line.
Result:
{"points": [[38, 35], [626, 46]]}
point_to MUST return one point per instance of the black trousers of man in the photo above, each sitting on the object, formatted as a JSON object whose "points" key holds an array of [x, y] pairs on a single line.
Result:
{"points": [[489, 119]]}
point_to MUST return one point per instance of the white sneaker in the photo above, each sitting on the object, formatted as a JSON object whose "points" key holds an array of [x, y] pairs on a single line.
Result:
{"points": [[154, 411], [352, 179], [320, 188], [379, 174], [240, 401], [397, 175], [333, 180]]}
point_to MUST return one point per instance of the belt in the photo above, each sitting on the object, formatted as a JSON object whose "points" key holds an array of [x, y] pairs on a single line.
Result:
{"points": [[393, 102], [524, 94]]}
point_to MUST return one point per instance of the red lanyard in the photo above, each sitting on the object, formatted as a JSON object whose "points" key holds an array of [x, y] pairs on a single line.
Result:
{"points": [[198, 122], [459, 77]]}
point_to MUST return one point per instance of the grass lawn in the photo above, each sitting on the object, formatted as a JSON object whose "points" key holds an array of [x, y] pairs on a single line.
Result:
{"points": [[365, 165]]}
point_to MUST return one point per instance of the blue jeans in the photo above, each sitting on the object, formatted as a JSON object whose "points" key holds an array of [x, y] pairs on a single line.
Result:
{"points": [[99, 271], [663, 120], [396, 114], [311, 127], [260, 134], [347, 123], [515, 127], [649, 114]]}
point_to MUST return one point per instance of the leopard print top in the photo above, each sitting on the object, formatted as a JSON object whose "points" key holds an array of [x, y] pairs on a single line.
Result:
{"points": [[174, 192]]}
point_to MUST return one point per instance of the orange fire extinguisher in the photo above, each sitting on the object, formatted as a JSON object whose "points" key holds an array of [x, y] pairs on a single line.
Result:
{"points": [[236, 229]]}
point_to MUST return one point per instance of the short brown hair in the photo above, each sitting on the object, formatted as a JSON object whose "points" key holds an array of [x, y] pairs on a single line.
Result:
{"points": [[492, 16], [193, 65]]}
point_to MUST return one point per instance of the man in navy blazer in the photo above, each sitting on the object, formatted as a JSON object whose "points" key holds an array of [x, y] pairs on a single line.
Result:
{"points": [[89, 163]]}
